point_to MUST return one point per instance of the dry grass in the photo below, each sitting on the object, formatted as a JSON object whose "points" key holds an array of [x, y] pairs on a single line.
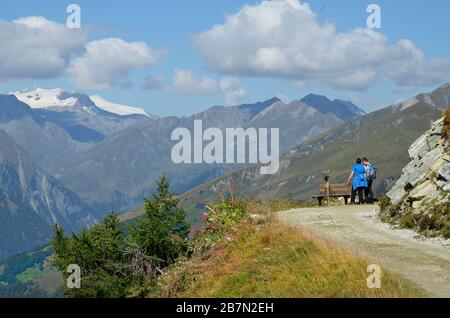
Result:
{"points": [[270, 259]]}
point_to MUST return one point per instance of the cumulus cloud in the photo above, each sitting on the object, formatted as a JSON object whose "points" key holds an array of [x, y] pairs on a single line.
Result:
{"points": [[185, 82], [283, 39], [36, 48], [108, 61], [232, 89]]}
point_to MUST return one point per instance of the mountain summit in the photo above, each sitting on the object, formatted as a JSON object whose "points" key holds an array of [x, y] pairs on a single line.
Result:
{"points": [[344, 110], [57, 99]]}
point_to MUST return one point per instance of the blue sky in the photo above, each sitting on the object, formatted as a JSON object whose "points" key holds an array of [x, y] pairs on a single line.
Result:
{"points": [[172, 28]]}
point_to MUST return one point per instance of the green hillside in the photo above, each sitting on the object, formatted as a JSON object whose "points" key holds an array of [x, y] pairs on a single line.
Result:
{"points": [[29, 275]]}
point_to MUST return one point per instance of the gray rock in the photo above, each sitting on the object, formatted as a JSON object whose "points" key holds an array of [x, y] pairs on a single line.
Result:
{"points": [[433, 141], [397, 193], [418, 148], [444, 171], [426, 190], [437, 126]]}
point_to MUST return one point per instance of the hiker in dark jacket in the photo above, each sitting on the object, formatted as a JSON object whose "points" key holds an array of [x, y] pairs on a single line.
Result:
{"points": [[371, 172], [358, 179]]}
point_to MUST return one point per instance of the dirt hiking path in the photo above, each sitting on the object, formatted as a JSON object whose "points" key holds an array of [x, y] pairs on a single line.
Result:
{"points": [[425, 262]]}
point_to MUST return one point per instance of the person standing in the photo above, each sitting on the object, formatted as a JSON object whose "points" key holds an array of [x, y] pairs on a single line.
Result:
{"points": [[358, 179], [371, 172]]}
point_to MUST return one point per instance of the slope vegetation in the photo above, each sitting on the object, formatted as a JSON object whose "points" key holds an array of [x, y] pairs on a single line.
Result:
{"points": [[262, 257]]}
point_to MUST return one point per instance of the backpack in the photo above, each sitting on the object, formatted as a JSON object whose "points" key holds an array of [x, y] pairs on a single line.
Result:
{"points": [[372, 172]]}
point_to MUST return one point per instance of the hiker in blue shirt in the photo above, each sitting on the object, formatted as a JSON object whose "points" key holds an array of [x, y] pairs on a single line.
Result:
{"points": [[358, 178]]}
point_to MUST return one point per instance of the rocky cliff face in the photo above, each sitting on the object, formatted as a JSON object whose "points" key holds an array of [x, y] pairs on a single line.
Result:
{"points": [[427, 176], [420, 198], [31, 201]]}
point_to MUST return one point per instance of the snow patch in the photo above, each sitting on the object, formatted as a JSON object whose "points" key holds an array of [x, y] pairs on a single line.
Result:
{"points": [[44, 98], [119, 109]]}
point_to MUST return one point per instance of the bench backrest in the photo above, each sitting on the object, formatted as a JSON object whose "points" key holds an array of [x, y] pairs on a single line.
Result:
{"points": [[339, 188]]}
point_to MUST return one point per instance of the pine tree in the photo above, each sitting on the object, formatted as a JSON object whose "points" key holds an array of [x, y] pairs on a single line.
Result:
{"points": [[163, 232], [100, 253]]}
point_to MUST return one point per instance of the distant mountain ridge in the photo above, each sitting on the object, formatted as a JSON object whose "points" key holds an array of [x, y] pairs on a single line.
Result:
{"points": [[344, 110], [58, 98], [127, 163], [31, 201], [71, 124]]}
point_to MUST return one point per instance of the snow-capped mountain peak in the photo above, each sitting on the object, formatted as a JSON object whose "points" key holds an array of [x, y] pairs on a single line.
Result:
{"points": [[119, 109], [57, 99], [44, 98]]}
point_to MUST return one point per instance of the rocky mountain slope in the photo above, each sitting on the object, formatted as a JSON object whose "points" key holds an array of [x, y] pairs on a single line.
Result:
{"points": [[421, 196], [383, 136], [31, 201]]}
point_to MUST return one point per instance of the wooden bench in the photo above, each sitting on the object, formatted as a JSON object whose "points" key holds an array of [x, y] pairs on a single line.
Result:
{"points": [[340, 190]]}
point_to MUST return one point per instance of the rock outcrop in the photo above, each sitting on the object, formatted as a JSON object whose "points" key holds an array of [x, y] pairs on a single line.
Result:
{"points": [[427, 176]]}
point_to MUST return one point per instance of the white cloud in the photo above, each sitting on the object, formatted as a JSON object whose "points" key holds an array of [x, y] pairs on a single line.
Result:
{"points": [[283, 39], [35, 47], [232, 89], [185, 82], [106, 62]]}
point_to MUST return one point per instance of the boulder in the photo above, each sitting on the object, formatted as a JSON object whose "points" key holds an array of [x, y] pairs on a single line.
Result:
{"points": [[397, 192], [418, 148], [444, 171], [427, 190]]}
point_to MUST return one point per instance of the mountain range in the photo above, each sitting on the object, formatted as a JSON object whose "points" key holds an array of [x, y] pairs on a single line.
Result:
{"points": [[70, 158], [88, 156], [383, 136], [123, 168]]}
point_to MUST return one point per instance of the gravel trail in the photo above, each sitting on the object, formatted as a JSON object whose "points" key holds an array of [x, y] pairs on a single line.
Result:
{"points": [[425, 262]]}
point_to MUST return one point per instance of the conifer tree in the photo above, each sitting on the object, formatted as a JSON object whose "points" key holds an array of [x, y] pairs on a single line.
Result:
{"points": [[163, 231]]}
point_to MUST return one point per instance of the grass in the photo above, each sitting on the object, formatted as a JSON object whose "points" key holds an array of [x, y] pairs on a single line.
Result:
{"points": [[32, 274], [265, 258]]}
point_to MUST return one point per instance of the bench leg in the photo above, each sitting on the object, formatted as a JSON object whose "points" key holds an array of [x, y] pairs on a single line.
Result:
{"points": [[346, 200], [320, 201]]}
